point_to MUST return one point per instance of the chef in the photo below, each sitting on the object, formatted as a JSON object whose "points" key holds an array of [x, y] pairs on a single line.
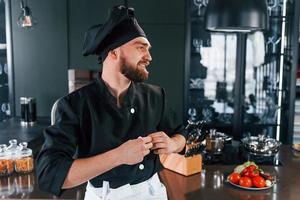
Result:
{"points": [[110, 133]]}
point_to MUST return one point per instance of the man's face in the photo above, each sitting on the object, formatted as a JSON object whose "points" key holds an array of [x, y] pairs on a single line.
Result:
{"points": [[135, 58]]}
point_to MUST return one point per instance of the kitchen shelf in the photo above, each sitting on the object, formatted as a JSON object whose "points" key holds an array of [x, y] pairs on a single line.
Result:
{"points": [[210, 74], [3, 46]]}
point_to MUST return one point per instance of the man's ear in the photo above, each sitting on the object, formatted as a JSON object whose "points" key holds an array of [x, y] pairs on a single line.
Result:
{"points": [[113, 54]]}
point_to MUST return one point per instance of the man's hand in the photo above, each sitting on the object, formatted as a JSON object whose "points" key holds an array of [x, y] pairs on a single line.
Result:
{"points": [[163, 144], [130, 152], [134, 151]]}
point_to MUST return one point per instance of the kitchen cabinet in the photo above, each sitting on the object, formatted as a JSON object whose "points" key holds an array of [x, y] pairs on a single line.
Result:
{"points": [[268, 91]]}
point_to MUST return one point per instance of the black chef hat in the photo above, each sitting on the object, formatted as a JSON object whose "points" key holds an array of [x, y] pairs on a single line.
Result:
{"points": [[120, 28]]}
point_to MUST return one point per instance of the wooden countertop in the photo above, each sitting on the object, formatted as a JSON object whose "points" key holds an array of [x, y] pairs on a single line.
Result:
{"points": [[212, 185], [209, 184], [12, 129]]}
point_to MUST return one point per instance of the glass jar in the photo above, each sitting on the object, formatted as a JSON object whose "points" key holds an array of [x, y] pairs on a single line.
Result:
{"points": [[23, 159], [6, 161], [24, 184], [7, 187], [12, 148]]}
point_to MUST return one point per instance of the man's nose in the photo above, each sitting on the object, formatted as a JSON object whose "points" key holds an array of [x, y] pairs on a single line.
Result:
{"points": [[148, 56]]}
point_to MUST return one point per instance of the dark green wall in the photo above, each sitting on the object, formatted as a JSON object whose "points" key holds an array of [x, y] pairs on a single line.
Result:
{"points": [[43, 55], [164, 25], [40, 54]]}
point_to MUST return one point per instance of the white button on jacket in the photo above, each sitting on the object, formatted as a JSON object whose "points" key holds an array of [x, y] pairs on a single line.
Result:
{"points": [[132, 110]]}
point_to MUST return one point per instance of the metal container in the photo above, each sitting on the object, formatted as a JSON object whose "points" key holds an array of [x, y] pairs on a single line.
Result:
{"points": [[261, 145], [215, 141], [28, 111]]}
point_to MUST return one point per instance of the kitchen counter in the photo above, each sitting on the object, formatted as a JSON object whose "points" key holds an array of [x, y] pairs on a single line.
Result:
{"points": [[209, 184], [12, 129]]}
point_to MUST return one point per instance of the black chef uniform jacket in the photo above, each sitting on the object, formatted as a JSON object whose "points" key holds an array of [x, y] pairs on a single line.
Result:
{"points": [[88, 122]]}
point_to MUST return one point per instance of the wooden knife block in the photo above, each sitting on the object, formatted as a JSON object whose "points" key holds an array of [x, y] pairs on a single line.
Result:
{"points": [[181, 164]]}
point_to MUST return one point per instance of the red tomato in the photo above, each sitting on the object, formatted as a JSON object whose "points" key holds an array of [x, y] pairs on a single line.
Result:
{"points": [[250, 171], [254, 173], [245, 172], [259, 181], [234, 178], [252, 167], [245, 182]]}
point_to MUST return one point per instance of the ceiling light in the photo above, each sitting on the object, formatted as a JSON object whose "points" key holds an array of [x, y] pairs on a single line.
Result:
{"points": [[26, 20], [236, 15]]}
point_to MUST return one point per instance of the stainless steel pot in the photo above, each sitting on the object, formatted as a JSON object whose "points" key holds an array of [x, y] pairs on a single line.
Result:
{"points": [[215, 141], [261, 145]]}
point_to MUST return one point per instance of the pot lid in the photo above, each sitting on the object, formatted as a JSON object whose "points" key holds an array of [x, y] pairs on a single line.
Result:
{"points": [[213, 134]]}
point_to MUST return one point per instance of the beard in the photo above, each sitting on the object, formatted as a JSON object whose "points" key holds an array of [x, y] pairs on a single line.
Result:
{"points": [[133, 72]]}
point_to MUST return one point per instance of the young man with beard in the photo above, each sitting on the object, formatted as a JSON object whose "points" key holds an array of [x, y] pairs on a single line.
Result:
{"points": [[111, 131]]}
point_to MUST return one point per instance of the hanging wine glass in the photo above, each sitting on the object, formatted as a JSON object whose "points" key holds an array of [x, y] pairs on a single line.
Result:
{"points": [[197, 43], [273, 41], [271, 5], [274, 5], [5, 108], [192, 114], [208, 42], [200, 4], [196, 83], [207, 114], [5, 68]]}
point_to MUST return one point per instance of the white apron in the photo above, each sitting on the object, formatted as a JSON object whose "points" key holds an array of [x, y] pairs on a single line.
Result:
{"points": [[151, 189]]}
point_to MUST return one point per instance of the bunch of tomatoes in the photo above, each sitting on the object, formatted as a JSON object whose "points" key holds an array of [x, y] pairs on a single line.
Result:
{"points": [[249, 177]]}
